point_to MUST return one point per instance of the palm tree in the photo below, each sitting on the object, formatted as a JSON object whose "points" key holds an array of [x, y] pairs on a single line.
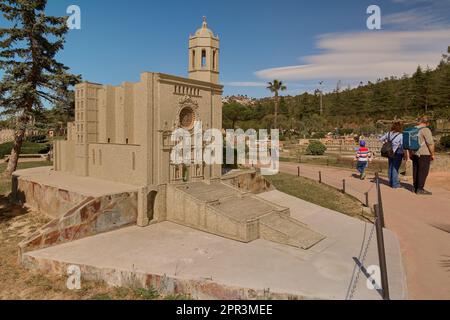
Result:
{"points": [[275, 87]]}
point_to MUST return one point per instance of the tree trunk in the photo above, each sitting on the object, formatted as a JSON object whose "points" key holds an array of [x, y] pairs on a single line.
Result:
{"points": [[275, 121], [14, 157]]}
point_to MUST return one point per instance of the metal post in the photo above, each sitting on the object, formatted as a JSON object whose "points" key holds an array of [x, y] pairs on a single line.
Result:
{"points": [[381, 254], [379, 199], [298, 171], [343, 186], [367, 199], [320, 176]]}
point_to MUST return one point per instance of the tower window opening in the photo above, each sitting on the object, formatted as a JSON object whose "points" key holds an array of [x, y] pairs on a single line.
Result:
{"points": [[203, 58], [214, 60], [109, 140], [193, 59], [126, 140]]}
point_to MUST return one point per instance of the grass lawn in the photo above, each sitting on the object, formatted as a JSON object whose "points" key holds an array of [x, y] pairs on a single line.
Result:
{"points": [[319, 194], [5, 184], [16, 282]]}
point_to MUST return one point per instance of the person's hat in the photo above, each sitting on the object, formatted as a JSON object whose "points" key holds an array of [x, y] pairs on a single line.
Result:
{"points": [[362, 143]]}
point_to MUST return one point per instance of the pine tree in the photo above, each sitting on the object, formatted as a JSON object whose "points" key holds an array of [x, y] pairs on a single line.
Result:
{"points": [[443, 90], [420, 90], [31, 73]]}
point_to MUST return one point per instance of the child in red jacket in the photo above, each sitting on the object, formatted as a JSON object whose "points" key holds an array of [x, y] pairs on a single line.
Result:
{"points": [[363, 156]]}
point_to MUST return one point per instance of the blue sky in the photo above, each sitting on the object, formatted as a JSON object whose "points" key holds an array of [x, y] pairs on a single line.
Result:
{"points": [[300, 42]]}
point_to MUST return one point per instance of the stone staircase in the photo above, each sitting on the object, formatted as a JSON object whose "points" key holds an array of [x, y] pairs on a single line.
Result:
{"points": [[223, 210]]}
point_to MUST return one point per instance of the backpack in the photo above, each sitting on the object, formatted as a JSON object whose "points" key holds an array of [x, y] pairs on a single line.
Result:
{"points": [[387, 150], [411, 139]]}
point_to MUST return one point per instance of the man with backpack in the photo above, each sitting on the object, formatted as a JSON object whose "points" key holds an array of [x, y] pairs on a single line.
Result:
{"points": [[420, 144]]}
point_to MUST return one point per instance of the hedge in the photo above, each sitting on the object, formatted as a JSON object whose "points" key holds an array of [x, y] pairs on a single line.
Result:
{"points": [[27, 148]]}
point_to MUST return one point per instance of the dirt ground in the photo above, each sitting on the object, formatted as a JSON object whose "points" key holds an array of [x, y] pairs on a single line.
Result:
{"points": [[439, 179]]}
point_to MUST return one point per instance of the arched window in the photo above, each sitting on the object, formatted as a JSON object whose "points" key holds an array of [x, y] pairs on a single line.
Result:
{"points": [[214, 60], [193, 59], [203, 58]]}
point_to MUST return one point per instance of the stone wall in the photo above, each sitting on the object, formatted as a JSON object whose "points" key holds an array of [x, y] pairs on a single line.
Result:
{"points": [[184, 209], [91, 216], [249, 181], [50, 200], [64, 155], [6, 135], [203, 289]]}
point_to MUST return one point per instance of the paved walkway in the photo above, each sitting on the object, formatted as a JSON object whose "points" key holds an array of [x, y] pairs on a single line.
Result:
{"points": [[422, 225]]}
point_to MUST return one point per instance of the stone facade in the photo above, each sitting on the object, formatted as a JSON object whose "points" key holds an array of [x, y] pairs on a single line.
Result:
{"points": [[122, 133]]}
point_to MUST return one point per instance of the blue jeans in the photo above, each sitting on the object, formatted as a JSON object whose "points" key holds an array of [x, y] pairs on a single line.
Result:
{"points": [[394, 165], [361, 166]]}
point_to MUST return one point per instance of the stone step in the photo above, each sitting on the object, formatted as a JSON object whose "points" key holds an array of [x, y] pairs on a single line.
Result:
{"points": [[220, 209]]}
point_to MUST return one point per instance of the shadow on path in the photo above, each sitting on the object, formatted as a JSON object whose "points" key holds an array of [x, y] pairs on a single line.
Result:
{"points": [[368, 276], [385, 182]]}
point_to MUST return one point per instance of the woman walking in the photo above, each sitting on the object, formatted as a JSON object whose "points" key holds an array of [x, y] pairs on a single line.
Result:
{"points": [[395, 137]]}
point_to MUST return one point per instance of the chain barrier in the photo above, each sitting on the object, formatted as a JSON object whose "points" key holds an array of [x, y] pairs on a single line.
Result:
{"points": [[362, 259]]}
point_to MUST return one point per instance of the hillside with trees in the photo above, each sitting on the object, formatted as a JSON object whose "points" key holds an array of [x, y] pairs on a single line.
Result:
{"points": [[356, 110]]}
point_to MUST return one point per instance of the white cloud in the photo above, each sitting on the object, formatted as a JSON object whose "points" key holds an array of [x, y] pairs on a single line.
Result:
{"points": [[418, 18], [367, 55], [246, 84], [425, 14]]}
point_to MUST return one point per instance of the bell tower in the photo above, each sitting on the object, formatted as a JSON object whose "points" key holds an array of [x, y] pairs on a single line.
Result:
{"points": [[204, 55]]}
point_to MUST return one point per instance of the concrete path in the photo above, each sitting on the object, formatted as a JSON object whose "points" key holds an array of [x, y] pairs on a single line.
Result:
{"points": [[207, 265], [422, 225]]}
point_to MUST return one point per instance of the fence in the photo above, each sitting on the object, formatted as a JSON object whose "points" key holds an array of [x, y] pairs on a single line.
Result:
{"points": [[377, 165]]}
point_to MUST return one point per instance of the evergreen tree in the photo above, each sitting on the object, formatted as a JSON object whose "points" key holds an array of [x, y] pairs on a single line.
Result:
{"points": [[443, 90], [32, 75], [419, 100]]}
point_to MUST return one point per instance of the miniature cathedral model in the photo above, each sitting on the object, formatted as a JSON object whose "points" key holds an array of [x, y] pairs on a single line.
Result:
{"points": [[122, 133]]}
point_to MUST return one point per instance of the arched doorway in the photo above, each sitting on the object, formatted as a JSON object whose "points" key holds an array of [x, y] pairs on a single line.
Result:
{"points": [[151, 196]]}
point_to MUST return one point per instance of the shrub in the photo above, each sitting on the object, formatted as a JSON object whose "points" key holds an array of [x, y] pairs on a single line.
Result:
{"points": [[316, 148], [27, 148], [147, 294], [318, 135], [37, 139], [445, 142]]}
